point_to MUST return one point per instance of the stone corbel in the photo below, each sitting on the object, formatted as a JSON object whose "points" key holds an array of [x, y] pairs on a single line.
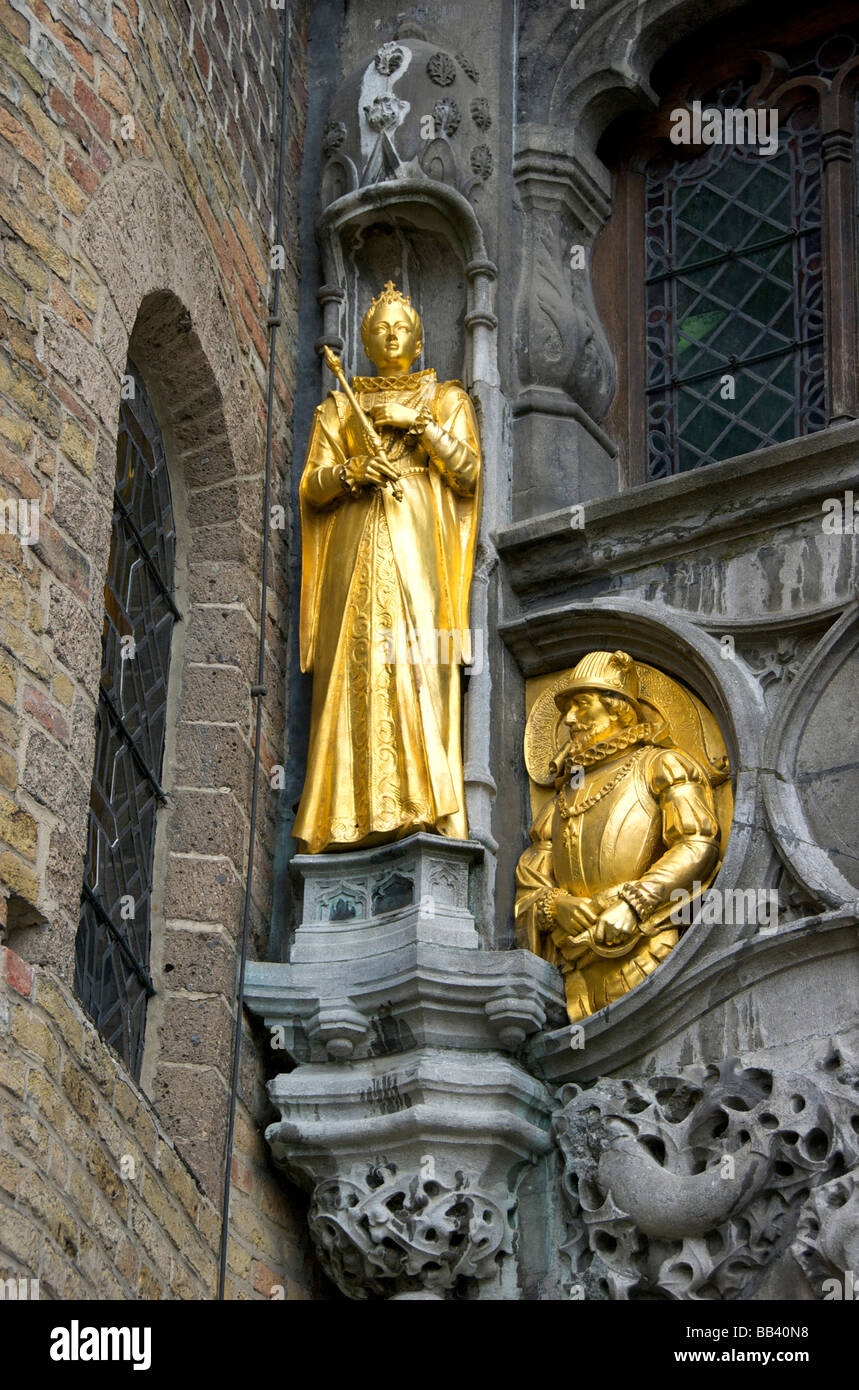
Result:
{"points": [[565, 364], [408, 1114]]}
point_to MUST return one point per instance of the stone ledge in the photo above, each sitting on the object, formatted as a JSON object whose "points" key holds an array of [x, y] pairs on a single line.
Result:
{"points": [[672, 517]]}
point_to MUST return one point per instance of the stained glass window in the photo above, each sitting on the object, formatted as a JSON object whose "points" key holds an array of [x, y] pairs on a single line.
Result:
{"points": [[734, 289], [112, 948]]}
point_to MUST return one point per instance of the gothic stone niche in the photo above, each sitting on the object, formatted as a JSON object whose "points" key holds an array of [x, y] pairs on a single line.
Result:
{"points": [[691, 1185], [424, 266]]}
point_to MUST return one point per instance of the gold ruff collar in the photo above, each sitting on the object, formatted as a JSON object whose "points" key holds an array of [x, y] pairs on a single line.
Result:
{"points": [[598, 752], [410, 382]]}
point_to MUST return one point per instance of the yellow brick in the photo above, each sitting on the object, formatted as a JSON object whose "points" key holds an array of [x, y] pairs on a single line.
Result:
{"points": [[22, 645], [10, 50], [13, 604], [13, 1074], [17, 877], [86, 291], [8, 771], [36, 618], [63, 689], [35, 1037], [148, 1286], [50, 998], [22, 1239], [16, 431], [12, 294], [77, 446], [66, 190], [10, 1173], [31, 231], [8, 729], [238, 1260], [17, 827], [27, 267], [42, 1198], [47, 1100], [40, 123], [30, 395], [7, 682]]}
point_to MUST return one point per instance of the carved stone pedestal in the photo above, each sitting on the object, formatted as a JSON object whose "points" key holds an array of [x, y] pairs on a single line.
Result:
{"points": [[402, 1026]]}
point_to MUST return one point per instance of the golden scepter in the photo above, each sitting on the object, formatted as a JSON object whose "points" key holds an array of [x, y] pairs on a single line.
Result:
{"points": [[372, 438]]}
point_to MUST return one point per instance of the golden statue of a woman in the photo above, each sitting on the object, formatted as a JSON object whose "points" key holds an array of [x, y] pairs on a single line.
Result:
{"points": [[390, 503]]}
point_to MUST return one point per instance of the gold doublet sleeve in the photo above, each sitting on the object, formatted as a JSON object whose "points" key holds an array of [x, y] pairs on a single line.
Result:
{"points": [[535, 879], [690, 832]]}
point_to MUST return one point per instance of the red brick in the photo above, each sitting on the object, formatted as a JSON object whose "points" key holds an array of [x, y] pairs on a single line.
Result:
{"points": [[95, 111], [66, 563], [70, 114], [17, 973], [71, 312], [46, 713], [82, 173], [201, 54]]}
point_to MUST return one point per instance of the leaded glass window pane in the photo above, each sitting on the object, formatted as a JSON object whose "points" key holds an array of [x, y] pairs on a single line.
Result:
{"points": [[734, 288], [112, 947]]}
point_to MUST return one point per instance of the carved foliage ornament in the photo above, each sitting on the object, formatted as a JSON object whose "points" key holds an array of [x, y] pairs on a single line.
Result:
{"points": [[481, 161], [689, 1185], [332, 137], [441, 69], [384, 1233], [480, 113], [447, 116], [389, 57]]}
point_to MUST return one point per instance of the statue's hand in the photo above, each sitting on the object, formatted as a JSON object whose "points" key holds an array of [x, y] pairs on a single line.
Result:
{"points": [[572, 916], [617, 926], [368, 471], [400, 417]]}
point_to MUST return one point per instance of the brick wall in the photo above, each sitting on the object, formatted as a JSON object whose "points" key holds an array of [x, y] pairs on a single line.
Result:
{"points": [[95, 1199], [137, 186]]}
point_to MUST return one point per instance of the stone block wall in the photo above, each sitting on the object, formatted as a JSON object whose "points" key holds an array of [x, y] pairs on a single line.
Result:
{"points": [[138, 168]]}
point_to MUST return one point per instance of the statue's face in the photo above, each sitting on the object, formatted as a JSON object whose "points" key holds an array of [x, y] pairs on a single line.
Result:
{"points": [[393, 340], [587, 718]]}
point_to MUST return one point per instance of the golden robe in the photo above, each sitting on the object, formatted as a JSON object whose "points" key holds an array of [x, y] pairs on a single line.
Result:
{"points": [[382, 582]]}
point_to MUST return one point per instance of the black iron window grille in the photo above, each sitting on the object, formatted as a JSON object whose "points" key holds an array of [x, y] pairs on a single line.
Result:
{"points": [[112, 977]]}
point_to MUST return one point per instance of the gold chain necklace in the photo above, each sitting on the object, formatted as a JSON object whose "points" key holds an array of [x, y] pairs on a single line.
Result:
{"points": [[567, 811]]}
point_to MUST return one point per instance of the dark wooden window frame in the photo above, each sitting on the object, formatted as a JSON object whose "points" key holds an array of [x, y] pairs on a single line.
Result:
{"points": [[619, 260]]}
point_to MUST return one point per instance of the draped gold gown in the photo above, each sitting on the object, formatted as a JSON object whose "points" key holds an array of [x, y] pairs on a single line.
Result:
{"points": [[382, 579]]}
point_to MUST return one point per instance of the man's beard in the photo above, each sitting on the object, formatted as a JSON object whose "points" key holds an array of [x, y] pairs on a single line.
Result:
{"points": [[582, 737], [604, 743]]}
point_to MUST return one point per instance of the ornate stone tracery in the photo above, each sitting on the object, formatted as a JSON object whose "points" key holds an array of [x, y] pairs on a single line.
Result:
{"points": [[384, 1234], [692, 1184]]}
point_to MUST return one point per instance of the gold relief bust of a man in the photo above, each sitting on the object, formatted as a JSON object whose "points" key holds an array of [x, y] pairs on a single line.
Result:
{"points": [[632, 830], [390, 504]]}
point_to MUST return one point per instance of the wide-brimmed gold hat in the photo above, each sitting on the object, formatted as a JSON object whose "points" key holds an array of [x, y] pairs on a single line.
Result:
{"points": [[613, 673]]}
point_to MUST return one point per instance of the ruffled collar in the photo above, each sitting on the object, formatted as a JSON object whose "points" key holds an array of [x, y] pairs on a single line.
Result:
{"points": [[599, 752], [410, 382]]}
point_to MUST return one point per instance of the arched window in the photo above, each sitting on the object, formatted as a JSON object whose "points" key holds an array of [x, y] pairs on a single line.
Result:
{"points": [[741, 319], [112, 947]]}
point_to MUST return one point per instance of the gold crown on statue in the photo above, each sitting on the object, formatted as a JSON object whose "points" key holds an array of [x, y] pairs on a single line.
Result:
{"points": [[390, 295]]}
